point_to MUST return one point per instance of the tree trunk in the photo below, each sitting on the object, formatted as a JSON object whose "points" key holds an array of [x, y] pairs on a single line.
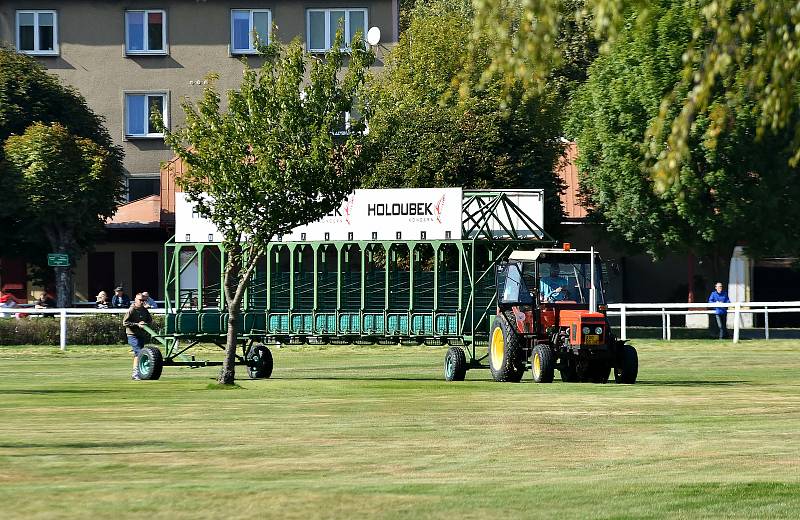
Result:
{"points": [[65, 289], [61, 242], [227, 375], [238, 270]]}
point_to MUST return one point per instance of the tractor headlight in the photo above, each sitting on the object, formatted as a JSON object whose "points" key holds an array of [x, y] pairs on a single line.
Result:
{"points": [[586, 330], [598, 330]]}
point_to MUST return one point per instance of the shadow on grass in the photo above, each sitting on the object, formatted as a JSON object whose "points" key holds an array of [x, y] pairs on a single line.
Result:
{"points": [[80, 445], [693, 383], [354, 378], [376, 366], [54, 391]]}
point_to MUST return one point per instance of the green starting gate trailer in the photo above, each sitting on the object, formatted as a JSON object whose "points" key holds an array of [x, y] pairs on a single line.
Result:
{"points": [[405, 291]]}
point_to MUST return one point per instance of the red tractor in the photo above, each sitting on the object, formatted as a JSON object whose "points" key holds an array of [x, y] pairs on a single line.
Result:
{"points": [[551, 313]]}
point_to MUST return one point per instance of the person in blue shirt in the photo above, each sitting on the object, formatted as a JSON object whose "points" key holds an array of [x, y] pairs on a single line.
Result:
{"points": [[120, 300], [552, 287], [720, 313]]}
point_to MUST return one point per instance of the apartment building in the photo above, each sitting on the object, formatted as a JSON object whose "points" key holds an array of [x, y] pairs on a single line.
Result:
{"points": [[127, 57]]}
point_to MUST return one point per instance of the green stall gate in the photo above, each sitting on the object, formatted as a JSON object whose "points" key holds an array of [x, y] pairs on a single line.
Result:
{"points": [[411, 292]]}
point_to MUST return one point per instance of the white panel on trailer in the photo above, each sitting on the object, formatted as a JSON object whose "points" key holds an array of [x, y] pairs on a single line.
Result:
{"points": [[383, 213], [364, 215]]}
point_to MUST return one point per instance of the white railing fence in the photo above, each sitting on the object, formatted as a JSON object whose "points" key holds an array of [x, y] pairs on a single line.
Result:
{"points": [[63, 314], [667, 310], [621, 310]]}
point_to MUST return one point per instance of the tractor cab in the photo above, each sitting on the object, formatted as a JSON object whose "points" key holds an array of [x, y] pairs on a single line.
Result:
{"points": [[551, 278]]}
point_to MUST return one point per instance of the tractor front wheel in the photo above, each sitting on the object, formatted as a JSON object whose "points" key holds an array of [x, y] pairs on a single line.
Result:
{"points": [[569, 368], [150, 362], [505, 352], [599, 372], [627, 365], [455, 364], [542, 364]]}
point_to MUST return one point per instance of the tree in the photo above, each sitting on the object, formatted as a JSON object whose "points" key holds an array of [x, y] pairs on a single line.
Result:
{"points": [[422, 134], [271, 161], [28, 94], [734, 185], [71, 183], [740, 55]]}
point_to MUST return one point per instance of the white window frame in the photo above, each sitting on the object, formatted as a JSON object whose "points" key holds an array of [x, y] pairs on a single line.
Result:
{"points": [[147, 93], [328, 35], [36, 13], [251, 50], [164, 39]]}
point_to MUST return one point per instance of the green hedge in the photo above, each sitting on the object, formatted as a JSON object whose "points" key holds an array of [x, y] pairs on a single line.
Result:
{"points": [[102, 329]]}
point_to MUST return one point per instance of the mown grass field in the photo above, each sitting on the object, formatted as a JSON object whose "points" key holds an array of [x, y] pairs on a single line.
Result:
{"points": [[711, 430]]}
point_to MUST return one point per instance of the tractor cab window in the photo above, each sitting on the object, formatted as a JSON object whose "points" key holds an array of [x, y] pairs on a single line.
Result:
{"points": [[511, 287], [567, 279]]}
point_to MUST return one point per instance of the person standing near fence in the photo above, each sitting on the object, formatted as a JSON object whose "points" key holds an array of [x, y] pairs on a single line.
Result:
{"points": [[102, 301], [148, 301], [720, 313], [136, 316], [120, 300]]}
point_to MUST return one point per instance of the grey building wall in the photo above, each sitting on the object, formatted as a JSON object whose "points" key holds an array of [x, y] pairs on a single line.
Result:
{"points": [[92, 58]]}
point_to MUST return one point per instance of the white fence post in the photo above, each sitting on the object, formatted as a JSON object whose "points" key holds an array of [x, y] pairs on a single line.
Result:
{"points": [[663, 323], [669, 327], [623, 322], [63, 329], [766, 322], [736, 326]]}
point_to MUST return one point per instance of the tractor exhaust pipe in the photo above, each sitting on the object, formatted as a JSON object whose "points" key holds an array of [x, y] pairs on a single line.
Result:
{"points": [[592, 290]]}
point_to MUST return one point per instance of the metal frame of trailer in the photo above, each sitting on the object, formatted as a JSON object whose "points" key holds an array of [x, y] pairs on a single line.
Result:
{"points": [[353, 292]]}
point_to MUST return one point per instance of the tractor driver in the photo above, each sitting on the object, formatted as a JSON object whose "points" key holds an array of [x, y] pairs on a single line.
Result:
{"points": [[553, 287]]}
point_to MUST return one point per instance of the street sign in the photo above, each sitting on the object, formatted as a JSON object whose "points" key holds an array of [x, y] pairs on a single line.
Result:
{"points": [[57, 260]]}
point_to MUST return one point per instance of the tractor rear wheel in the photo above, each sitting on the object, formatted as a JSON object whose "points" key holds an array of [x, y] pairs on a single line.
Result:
{"points": [[150, 362], [259, 362], [505, 352], [455, 364], [542, 364], [627, 366]]}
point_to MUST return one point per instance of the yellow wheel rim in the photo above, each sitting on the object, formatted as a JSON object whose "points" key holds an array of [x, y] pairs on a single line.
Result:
{"points": [[498, 349], [537, 366]]}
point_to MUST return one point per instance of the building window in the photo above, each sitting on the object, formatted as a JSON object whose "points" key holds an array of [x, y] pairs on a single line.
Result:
{"points": [[138, 108], [321, 26], [346, 120], [249, 26], [140, 187], [146, 32], [37, 32]]}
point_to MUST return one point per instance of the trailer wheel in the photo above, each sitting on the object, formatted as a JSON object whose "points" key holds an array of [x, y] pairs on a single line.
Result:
{"points": [[542, 364], [505, 352], [150, 363], [627, 365], [259, 362], [455, 364]]}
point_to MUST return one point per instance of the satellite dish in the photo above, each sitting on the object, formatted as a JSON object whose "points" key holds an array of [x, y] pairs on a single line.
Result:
{"points": [[373, 36]]}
